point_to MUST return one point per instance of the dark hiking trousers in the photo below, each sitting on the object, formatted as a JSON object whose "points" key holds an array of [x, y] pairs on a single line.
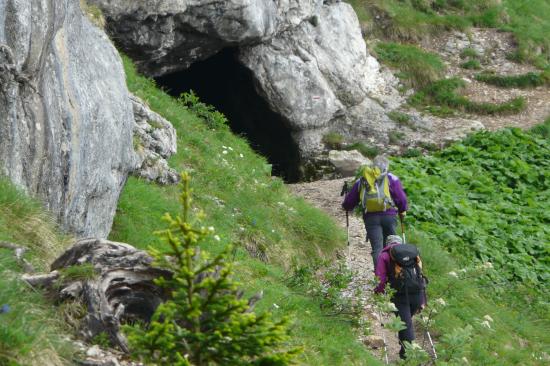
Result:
{"points": [[406, 310], [378, 228]]}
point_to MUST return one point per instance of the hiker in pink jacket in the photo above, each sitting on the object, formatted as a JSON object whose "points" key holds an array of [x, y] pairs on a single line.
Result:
{"points": [[408, 302]]}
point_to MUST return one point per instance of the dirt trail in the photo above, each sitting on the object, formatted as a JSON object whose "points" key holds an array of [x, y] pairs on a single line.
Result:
{"points": [[325, 195]]}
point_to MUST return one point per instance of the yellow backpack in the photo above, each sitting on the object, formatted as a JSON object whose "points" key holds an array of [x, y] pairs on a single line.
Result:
{"points": [[374, 191]]}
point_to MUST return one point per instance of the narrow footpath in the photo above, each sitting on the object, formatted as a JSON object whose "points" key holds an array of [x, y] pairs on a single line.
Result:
{"points": [[325, 195]]}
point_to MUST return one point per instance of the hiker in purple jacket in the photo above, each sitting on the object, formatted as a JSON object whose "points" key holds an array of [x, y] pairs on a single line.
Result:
{"points": [[380, 224], [407, 305]]}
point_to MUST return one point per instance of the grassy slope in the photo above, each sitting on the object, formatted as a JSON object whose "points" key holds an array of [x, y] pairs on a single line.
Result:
{"points": [[30, 332], [247, 207], [412, 20]]}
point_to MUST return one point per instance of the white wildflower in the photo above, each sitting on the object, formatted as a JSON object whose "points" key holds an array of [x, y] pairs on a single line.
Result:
{"points": [[465, 360], [440, 301], [488, 265], [463, 270], [211, 228], [216, 237], [275, 306], [241, 155], [224, 152], [281, 203], [453, 274], [486, 324], [273, 230], [225, 147], [488, 318], [230, 148]]}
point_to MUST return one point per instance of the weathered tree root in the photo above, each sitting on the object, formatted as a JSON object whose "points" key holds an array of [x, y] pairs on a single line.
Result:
{"points": [[121, 291]]}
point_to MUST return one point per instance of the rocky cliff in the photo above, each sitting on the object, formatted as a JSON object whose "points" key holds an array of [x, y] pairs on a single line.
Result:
{"points": [[307, 57], [66, 119]]}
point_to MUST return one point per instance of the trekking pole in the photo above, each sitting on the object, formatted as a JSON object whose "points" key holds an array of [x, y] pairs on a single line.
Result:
{"points": [[344, 191], [347, 228], [402, 229], [384, 339], [431, 343]]}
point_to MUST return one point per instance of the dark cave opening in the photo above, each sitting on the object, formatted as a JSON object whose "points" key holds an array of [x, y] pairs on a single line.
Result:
{"points": [[229, 86]]}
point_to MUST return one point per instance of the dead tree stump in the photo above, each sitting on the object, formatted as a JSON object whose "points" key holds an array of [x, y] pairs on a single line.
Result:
{"points": [[121, 291]]}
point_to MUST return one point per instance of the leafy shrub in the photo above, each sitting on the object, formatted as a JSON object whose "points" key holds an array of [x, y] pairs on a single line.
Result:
{"points": [[528, 80], [418, 68], [333, 140], [207, 113], [206, 321], [493, 206], [442, 95], [471, 65]]}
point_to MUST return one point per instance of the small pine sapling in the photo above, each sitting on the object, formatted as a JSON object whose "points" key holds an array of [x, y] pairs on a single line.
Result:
{"points": [[206, 321]]}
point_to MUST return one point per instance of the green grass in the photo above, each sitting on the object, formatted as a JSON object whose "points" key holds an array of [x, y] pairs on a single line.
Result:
{"points": [[470, 53], [441, 98], [333, 140], [471, 65], [395, 137], [30, 334], [530, 23], [413, 20], [366, 150], [528, 80], [251, 209], [543, 129], [417, 68]]}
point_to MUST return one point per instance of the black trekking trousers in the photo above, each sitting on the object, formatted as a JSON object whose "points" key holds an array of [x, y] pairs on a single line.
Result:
{"points": [[378, 228], [406, 310]]}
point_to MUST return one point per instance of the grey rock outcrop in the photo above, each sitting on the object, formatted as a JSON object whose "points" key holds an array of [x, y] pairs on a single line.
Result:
{"points": [[164, 36], [65, 114], [347, 162], [307, 58], [154, 142], [320, 76]]}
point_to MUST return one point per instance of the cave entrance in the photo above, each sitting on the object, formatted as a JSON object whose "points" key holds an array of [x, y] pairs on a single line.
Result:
{"points": [[229, 86]]}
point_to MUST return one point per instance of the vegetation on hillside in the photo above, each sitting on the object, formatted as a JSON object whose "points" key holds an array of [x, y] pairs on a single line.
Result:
{"points": [[206, 321], [411, 20], [245, 205], [418, 68], [484, 200], [441, 98], [30, 330]]}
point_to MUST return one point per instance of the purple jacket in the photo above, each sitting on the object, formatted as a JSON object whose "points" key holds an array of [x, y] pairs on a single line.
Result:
{"points": [[382, 268], [396, 191]]}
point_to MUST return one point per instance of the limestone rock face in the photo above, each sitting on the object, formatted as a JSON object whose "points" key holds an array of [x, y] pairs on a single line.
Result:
{"points": [[65, 114], [307, 58], [164, 36], [154, 142], [319, 75]]}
